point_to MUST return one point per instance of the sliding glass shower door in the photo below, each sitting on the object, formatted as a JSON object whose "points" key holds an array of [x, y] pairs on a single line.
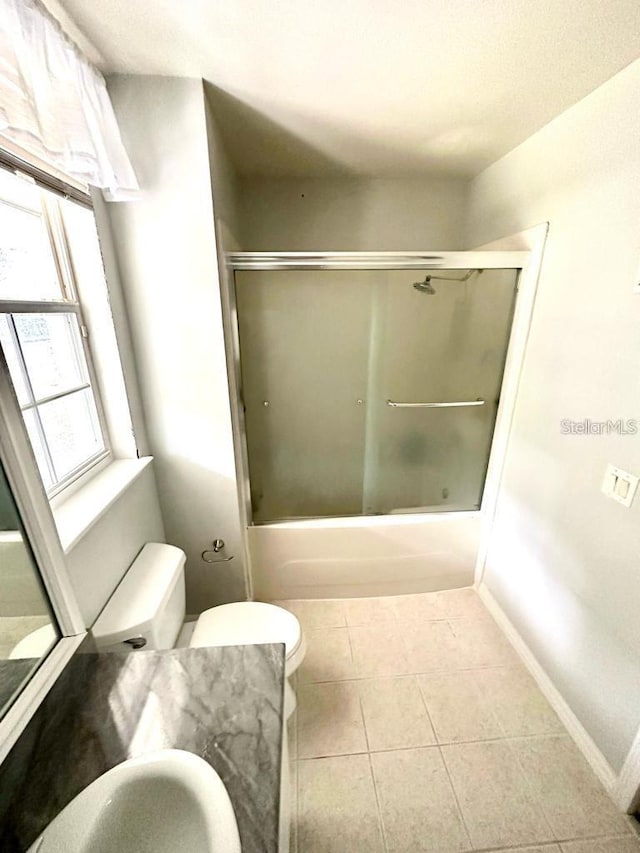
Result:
{"points": [[304, 343], [434, 386], [370, 391]]}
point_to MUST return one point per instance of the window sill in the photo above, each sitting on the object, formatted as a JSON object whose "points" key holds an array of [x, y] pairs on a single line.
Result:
{"points": [[75, 516]]}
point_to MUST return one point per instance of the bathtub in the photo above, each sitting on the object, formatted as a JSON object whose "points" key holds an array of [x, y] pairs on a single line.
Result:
{"points": [[364, 556]]}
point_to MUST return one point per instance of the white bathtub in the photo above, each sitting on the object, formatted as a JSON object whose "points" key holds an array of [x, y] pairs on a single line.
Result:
{"points": [[351, 557]]}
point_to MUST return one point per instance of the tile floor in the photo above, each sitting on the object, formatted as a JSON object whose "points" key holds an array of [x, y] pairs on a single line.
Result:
{"points": [[419, 729]]}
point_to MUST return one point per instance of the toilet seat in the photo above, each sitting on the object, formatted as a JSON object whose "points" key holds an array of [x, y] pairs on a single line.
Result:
{"points": [[247, 623]]}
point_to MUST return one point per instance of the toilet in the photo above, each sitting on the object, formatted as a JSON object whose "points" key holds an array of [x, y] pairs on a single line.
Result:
{"points": [[35, 644], [147, 611]]}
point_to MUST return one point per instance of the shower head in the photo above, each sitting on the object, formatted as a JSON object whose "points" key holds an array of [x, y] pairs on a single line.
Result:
{"points": [[425, 286]]}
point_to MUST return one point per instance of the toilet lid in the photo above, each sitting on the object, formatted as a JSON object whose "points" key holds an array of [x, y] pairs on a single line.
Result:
{"points": [[247, 623]]}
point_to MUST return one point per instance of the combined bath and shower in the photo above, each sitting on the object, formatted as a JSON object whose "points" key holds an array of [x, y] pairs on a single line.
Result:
{"points": [[426, 286]]}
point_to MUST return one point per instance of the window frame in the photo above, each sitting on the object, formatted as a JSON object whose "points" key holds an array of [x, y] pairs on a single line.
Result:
{"points": [[69, 304]]}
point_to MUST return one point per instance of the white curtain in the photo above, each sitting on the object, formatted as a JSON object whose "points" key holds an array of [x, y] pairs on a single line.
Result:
{"points": [[54, 103]]}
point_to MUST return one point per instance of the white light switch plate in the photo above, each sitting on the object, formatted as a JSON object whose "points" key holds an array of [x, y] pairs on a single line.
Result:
{"points": [[619, 485]]}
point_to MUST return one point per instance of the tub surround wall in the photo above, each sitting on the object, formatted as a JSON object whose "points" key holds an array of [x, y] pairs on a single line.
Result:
{"points": [[223, 704]]}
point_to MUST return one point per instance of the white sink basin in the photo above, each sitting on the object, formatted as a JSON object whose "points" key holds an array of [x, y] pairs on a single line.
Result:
{"points": [[164, 802]]}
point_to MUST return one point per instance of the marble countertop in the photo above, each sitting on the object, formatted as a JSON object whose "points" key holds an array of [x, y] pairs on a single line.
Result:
{"points": [[223, 704], [13, 674]]}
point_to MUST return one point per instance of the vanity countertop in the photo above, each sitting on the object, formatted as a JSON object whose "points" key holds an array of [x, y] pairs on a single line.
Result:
{"points": [[224, 704]]}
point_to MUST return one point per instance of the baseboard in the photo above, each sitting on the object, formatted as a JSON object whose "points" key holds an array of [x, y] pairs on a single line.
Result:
{"points": [[574, 727], [627, 790]]}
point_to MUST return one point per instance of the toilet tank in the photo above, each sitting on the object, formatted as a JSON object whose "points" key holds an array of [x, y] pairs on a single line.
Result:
{"points": [[147, 609]]}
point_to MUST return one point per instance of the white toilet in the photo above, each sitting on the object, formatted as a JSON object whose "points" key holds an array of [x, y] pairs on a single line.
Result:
{"points": [[147, 611], [35, 644]]}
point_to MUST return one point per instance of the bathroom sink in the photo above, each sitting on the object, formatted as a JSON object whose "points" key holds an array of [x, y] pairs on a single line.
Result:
{"points": [[159, 803]]}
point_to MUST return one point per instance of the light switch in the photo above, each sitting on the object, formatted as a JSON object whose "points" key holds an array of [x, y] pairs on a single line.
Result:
{"points": [[619, 485], [609, 482], [622, 487]]}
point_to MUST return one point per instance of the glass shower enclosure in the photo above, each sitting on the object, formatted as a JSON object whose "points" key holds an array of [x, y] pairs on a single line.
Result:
{"points": [[370, 384]]}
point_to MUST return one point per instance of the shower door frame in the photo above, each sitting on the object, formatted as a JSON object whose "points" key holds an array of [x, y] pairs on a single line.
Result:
{"points": [[481, 259]]}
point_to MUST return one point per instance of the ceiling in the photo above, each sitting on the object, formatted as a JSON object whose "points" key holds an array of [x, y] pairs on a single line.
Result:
{"points": [[371, 87]]}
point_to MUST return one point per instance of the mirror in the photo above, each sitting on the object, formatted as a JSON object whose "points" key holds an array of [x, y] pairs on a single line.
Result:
{"points": [[28, 629]]}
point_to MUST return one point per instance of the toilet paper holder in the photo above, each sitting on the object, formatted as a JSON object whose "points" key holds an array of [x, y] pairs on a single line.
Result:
{"points": [[217, 546]]}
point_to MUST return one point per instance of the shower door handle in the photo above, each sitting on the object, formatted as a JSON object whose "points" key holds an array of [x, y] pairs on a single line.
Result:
{"points": [[459, 404]]}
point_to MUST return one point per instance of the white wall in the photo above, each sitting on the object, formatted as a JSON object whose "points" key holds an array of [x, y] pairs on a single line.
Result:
{"points": [[21, 588], [166, 248], [352, 214], [121, 327], [98, 562], [225, 197], [563, 560], [225, 187]]}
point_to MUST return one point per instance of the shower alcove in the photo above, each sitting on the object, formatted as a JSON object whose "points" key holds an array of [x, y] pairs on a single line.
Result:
{"points": [[369, 393]]}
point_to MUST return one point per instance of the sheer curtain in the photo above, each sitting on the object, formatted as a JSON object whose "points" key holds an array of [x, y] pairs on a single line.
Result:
{"points": [[54, 103]]}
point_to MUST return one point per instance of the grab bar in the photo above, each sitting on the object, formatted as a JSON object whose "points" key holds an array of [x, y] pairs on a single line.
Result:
{"points": [[395, 405]]}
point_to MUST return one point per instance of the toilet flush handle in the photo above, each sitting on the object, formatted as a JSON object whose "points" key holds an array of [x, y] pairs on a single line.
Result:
{"points": [[136, 642]]}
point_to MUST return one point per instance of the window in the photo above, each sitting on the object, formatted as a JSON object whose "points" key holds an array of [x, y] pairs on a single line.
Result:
{"points": [[43, 246]]}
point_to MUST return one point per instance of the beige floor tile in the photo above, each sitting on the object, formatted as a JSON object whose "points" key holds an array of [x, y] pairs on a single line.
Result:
{"points": [[293, 831], [461, 604], [633, 824], [316, 613], [416, 608], [376, 651], [337, 810], [292, 735], [497, 805], [430, 646], [417, 804], [621, 844], [369, 611], [574, 802], [328, 656], [330, 720], [459, 711], [482, 643], [517, 701], [537, 848], [394, 713]]}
